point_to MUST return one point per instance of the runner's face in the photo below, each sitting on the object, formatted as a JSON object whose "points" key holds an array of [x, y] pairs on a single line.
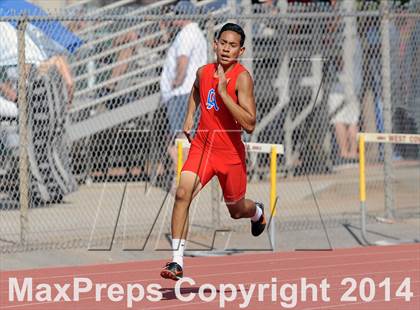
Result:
{"points": [[228, 47]]}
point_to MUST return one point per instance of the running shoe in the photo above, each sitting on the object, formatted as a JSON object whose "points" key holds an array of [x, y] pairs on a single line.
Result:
{"points": [[258, 227], [172, 271]]}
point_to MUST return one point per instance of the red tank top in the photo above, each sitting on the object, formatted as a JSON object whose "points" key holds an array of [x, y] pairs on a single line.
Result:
{"points": [[217, 125]]}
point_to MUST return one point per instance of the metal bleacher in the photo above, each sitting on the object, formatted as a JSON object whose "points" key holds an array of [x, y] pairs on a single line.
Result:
{"points": [[139, 85]]}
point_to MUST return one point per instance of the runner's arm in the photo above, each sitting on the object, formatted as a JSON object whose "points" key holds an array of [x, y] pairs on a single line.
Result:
{"points": [[244, 112], [193, 102]]}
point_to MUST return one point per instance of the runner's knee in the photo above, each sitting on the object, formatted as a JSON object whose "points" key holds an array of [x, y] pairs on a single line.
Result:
{"points": [[181, 194], [235, 214]]}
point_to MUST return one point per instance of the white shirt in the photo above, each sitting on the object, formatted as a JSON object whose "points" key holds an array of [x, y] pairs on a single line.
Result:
{"points": [[9, 47], [190, 41], [8, 108]]}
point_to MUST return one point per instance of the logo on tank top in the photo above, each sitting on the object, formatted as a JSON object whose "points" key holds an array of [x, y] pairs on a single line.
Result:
{"points": [[211, 100]]}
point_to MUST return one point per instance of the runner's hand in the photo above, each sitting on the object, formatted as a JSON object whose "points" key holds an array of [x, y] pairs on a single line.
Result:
{"points": [[221, 87]]}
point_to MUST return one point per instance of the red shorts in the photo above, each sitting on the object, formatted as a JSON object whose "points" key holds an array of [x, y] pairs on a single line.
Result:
{"points": [[230, 170]]}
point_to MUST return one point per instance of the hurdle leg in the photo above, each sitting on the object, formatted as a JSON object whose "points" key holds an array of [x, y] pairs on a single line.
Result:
{"points": [[273, 194], [362, 188], [180, 160]]}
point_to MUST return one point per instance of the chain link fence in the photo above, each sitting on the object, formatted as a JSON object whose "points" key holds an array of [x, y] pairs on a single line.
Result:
{"points": [[92, 164]]}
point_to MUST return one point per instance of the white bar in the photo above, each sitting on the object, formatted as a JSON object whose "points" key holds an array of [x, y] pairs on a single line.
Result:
{"points": [[264, 147], [250, 146], [185, 143], [391, 138]]}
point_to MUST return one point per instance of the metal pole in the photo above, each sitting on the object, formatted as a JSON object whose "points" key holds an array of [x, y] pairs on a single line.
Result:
{"points": [[387, 111], [248, 55], [215, 190], [23, 133], [91, 62], [349, 49], [273, 233], [232, 5], [210, 38]]}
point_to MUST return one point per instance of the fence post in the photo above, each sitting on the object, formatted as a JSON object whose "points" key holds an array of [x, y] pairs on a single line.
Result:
{"points": [[210, 38], [23, 132], [387, 110], [232, 4], [248, 55], [215, 190], [349, 49]]}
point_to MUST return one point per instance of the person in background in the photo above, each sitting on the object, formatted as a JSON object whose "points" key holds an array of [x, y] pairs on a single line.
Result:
{"points": [[187, 53]]}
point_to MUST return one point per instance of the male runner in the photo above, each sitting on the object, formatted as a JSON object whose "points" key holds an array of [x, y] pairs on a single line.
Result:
{"points": [[224, 91]]}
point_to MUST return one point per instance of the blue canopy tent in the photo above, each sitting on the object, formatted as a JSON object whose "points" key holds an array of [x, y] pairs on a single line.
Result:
{"points": [[53, 30], [43, 39]]}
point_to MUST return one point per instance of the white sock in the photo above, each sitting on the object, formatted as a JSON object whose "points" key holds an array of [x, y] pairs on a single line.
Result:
{"points": [[258, 213], [178, 246]]}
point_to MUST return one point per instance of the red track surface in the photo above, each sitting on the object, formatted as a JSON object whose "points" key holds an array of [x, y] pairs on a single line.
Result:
{"points": [[377, 263]]}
